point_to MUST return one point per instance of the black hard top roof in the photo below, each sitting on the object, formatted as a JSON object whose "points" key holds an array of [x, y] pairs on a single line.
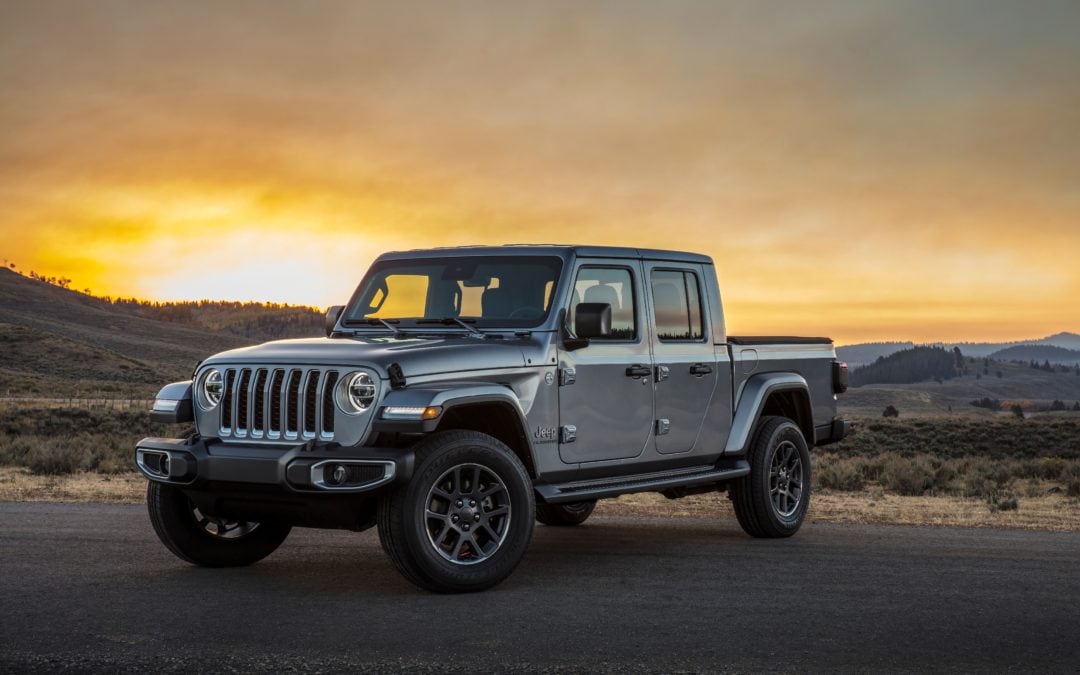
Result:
{"points": [[561, 250]]}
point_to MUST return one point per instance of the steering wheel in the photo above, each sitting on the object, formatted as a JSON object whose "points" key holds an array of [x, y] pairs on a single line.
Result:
{"points": [[526, 313]]}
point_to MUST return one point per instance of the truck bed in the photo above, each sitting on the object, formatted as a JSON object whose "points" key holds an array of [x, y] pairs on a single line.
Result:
{"points": [[776, 339], [810, 357]]}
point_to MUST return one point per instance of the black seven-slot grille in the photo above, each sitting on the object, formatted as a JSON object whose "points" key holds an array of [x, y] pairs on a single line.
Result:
{"points": [[278, 403]]}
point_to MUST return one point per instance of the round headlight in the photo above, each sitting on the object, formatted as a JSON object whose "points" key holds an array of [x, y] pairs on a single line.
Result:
{"points": [[356, 393], [213, 387]]}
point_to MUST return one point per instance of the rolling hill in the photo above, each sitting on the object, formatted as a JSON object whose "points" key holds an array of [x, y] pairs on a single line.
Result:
{"points": [[1038, 353], [59, 343], [908, 366], [1032, 388], [863, 353]]}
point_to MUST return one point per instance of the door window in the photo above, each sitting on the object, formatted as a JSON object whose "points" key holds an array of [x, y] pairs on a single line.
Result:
{"points": [[613, 285], [677, 306]]}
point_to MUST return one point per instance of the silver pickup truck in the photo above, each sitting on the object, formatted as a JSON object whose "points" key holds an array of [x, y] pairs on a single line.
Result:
{"points": [[463, 393]]}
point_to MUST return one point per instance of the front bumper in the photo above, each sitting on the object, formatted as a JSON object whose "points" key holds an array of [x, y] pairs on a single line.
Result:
{"points": [[307, 468]]}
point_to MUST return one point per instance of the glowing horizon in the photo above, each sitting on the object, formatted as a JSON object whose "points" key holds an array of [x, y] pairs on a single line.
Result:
{"points": [[885, 172]]}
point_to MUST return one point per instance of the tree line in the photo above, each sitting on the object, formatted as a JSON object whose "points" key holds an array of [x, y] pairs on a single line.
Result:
{"points": [[908, 366]]}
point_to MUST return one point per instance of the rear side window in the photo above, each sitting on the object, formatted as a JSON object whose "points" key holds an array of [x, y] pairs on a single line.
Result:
{"points": [[614, 286], [677, 304]]}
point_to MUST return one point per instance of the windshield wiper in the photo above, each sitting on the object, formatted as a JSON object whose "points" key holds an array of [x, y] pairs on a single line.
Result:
{"points": [[375, 321], [450, 320]]}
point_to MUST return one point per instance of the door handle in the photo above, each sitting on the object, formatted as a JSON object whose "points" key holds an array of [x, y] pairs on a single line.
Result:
{"points": [[700, 369], [638, 371]]}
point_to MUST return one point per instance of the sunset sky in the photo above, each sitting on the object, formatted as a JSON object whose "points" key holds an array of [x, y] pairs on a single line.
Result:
{"points": [[866, 170]]}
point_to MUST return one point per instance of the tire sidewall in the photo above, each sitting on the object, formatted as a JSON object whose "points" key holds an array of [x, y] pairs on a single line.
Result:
{"points": [[495, 457], [767, 448]]}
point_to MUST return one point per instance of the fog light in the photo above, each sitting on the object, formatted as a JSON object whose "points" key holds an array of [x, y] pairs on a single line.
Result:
{"points": [[163, 465], [338, 474]]}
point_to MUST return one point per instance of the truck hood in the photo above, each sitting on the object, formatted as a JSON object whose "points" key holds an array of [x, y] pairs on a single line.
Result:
{"points": [[421, 355]]}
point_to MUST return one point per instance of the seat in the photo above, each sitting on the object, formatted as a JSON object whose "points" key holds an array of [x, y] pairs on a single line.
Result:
{"points": [[669, 303], [496, 303]]}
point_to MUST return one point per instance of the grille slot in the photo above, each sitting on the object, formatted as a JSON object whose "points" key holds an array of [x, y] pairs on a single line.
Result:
{"points": [[227, 400], [259, 407], [242, 395], [310, 404], [328, 402], [292, 398], [276, 382], [278, 403]]}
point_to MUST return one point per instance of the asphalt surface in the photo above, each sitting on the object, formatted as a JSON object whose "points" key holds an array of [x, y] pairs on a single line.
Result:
{"points": [[88, 587]]}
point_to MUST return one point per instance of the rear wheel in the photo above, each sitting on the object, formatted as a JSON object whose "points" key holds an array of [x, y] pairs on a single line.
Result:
{"points": [[204, 540], [772, 500], [574, 513], [464, 520]]}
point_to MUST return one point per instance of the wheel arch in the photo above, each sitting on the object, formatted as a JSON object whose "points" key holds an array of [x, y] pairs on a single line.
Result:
{"points": [[486, 408], [771, 394], [498, 418]]}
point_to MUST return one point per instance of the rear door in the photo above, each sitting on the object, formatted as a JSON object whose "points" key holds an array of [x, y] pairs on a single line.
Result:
{"points": [[683, 355], [605, 392]]}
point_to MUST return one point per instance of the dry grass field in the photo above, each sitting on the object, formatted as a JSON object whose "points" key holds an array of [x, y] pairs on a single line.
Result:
{"points": [[960, 469], [1053, 512]]}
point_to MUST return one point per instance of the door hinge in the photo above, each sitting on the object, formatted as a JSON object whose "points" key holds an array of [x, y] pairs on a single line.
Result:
{"points": [[663, 425], [567, 376], [567, 433], [662, 373]]}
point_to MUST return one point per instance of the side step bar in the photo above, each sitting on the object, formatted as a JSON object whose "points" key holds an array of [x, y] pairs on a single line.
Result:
{"points": [[647, 482]]}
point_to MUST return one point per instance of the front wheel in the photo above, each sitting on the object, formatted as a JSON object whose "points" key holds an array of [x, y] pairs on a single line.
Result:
{"points": [[464, 521], [207, 541], [772, 500]]}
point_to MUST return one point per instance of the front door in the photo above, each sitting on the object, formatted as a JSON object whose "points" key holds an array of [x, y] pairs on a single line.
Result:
{"points": [[686, 369], [605, 392]]}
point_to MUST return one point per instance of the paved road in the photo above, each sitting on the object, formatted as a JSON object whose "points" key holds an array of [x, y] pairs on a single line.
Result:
{"points": [[89, 587]]}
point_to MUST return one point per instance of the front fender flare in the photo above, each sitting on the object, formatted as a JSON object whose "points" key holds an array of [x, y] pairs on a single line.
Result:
{"points": [[173, 404], [447, 396]]}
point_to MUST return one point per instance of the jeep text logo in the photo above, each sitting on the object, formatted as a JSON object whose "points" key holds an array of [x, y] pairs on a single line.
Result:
{"points": [[545, 433]]}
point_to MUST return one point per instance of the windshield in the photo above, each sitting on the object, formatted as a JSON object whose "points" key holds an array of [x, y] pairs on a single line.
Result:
{"points": [[492, 292]]}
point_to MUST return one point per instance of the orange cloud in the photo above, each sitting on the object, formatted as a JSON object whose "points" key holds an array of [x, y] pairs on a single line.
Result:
{"points": [[857, 171]]}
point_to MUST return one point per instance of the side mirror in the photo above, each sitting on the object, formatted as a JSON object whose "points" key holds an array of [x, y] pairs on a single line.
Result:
{"points": [[332, 316], [592, 320]]}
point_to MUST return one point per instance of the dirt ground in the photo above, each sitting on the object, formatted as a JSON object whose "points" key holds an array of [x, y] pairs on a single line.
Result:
{"points": [[1047, 512], [1053, 512]]}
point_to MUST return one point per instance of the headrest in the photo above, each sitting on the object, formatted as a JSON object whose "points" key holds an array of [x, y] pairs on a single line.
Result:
{"points": [[603, 293]]}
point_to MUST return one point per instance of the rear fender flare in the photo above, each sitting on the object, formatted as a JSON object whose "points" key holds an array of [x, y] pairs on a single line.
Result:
{"points": [[755, 394]]}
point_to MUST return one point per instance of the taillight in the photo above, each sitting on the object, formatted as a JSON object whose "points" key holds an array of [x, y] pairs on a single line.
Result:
{"points": [[839, 377]]}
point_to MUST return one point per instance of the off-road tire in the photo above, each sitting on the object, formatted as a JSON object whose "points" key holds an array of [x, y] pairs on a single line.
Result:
{"points": [[752, 495], [172, 515], [403, 525], [565, 515]]}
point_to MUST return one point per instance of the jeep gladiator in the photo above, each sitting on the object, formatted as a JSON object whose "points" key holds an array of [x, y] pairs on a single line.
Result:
{"points": [[464, 393]]}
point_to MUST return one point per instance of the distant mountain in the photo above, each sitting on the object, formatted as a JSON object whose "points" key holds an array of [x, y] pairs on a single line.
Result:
{"points": [[862, 354], [1063, 340], [983, 349], [1040, 353], [868, 352]]}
